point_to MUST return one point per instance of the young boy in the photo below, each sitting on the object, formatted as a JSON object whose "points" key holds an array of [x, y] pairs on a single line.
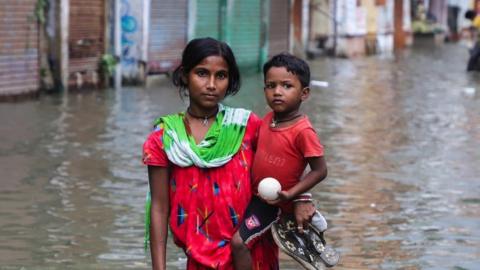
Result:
{"points": [[287, 143]]}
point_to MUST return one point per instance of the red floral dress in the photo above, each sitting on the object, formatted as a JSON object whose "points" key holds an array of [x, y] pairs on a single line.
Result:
{"points": [[206, 205]]}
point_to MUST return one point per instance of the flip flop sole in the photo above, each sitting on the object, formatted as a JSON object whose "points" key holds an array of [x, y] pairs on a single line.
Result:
{"points": [[307, 249]]}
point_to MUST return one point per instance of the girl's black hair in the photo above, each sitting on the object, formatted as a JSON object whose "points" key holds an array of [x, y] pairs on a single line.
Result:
{"points": [[292, 64], [199, 49]]}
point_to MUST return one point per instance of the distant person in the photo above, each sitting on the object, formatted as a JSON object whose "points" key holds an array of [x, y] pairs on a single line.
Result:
{"points": [[287, 142], [474, 60], [199, 165]]}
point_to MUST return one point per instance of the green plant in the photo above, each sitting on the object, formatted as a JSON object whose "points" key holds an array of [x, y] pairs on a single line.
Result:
{"points": [[107, 64], [40, 10], [43, 72]]}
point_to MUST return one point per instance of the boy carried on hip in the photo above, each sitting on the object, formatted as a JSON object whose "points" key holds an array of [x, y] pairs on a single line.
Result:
{"points": [[287, 142]]}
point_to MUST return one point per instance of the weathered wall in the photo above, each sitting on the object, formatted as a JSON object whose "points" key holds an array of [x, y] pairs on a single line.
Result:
{"points": [[86, 40]]}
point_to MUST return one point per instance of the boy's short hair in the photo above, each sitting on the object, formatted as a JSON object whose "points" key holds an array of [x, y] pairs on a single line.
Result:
{"points": [[470, 14], [292, 64]]}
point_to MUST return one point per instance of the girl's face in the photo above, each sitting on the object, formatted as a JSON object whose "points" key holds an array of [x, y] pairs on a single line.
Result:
{"points": [[283, 91], [208, 82]]}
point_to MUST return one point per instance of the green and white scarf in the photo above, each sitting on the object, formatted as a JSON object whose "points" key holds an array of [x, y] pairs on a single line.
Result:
{"points": [[221, 142]]}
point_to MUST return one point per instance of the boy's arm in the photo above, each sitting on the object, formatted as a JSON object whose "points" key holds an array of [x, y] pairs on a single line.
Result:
{"points": [[308, 144], [318, 172], [304, 210]]}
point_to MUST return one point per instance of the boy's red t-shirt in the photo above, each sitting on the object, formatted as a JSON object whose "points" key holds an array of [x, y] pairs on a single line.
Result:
{"points": [[282, 152]]}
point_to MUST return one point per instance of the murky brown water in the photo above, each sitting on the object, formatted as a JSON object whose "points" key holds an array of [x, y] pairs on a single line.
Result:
{"points": [[403, 148]]}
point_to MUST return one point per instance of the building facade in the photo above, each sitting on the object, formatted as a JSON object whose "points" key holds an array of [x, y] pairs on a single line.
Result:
{"points": [[148, 36]]}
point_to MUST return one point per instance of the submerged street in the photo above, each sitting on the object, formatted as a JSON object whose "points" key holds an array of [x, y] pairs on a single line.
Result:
{"points": [[402, 140]]}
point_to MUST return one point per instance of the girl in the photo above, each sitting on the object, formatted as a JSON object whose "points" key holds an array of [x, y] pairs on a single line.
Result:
{"points": [[199, 165]]}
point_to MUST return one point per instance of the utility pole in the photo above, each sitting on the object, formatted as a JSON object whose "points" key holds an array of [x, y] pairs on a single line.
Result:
{"points": [[117, 40], [399, 35], [335, 28], [61, 49]]}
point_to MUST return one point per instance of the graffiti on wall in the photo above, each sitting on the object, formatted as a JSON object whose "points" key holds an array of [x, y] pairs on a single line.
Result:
{"points": [[131, 38], [129, 27]]}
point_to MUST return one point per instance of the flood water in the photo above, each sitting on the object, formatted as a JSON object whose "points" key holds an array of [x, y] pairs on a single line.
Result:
{"points": [[402, 139]]}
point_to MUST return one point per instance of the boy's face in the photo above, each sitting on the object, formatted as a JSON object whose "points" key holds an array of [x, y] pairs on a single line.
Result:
{"points": [[283, 90]]}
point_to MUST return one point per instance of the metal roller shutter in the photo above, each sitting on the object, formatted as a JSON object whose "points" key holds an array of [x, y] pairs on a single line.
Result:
{"points": [[18, 48], [168, 34], [279, 27]]}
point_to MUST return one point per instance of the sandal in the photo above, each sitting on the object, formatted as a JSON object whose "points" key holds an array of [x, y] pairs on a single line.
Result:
{"points": [[328, 255], [308, 249]]}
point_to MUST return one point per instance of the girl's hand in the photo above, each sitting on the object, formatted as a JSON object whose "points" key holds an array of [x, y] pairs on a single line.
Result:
{"points": [[303, 212]]}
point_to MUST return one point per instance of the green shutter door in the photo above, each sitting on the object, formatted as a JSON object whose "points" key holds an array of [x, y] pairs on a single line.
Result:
{"points": [[238, 23], [207, 19], [243, 31]]}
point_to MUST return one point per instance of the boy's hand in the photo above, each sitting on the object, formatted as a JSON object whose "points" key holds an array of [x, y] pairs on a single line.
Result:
{"points": [[303, 212], [283, 196]]}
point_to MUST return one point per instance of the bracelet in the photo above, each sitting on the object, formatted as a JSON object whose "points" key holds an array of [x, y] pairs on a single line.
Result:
{"points": [[304, 197], [303, 200]]}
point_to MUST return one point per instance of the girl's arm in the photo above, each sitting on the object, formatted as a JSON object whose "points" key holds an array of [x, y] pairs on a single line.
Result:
{"points": [[159, 190]]}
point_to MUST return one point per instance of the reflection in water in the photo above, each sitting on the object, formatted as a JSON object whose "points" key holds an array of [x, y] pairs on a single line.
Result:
{"points": [[401, 139], [364, 195]]}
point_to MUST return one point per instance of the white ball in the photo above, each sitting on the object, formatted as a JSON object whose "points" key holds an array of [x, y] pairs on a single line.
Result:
{"points": [[268, 188]]}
